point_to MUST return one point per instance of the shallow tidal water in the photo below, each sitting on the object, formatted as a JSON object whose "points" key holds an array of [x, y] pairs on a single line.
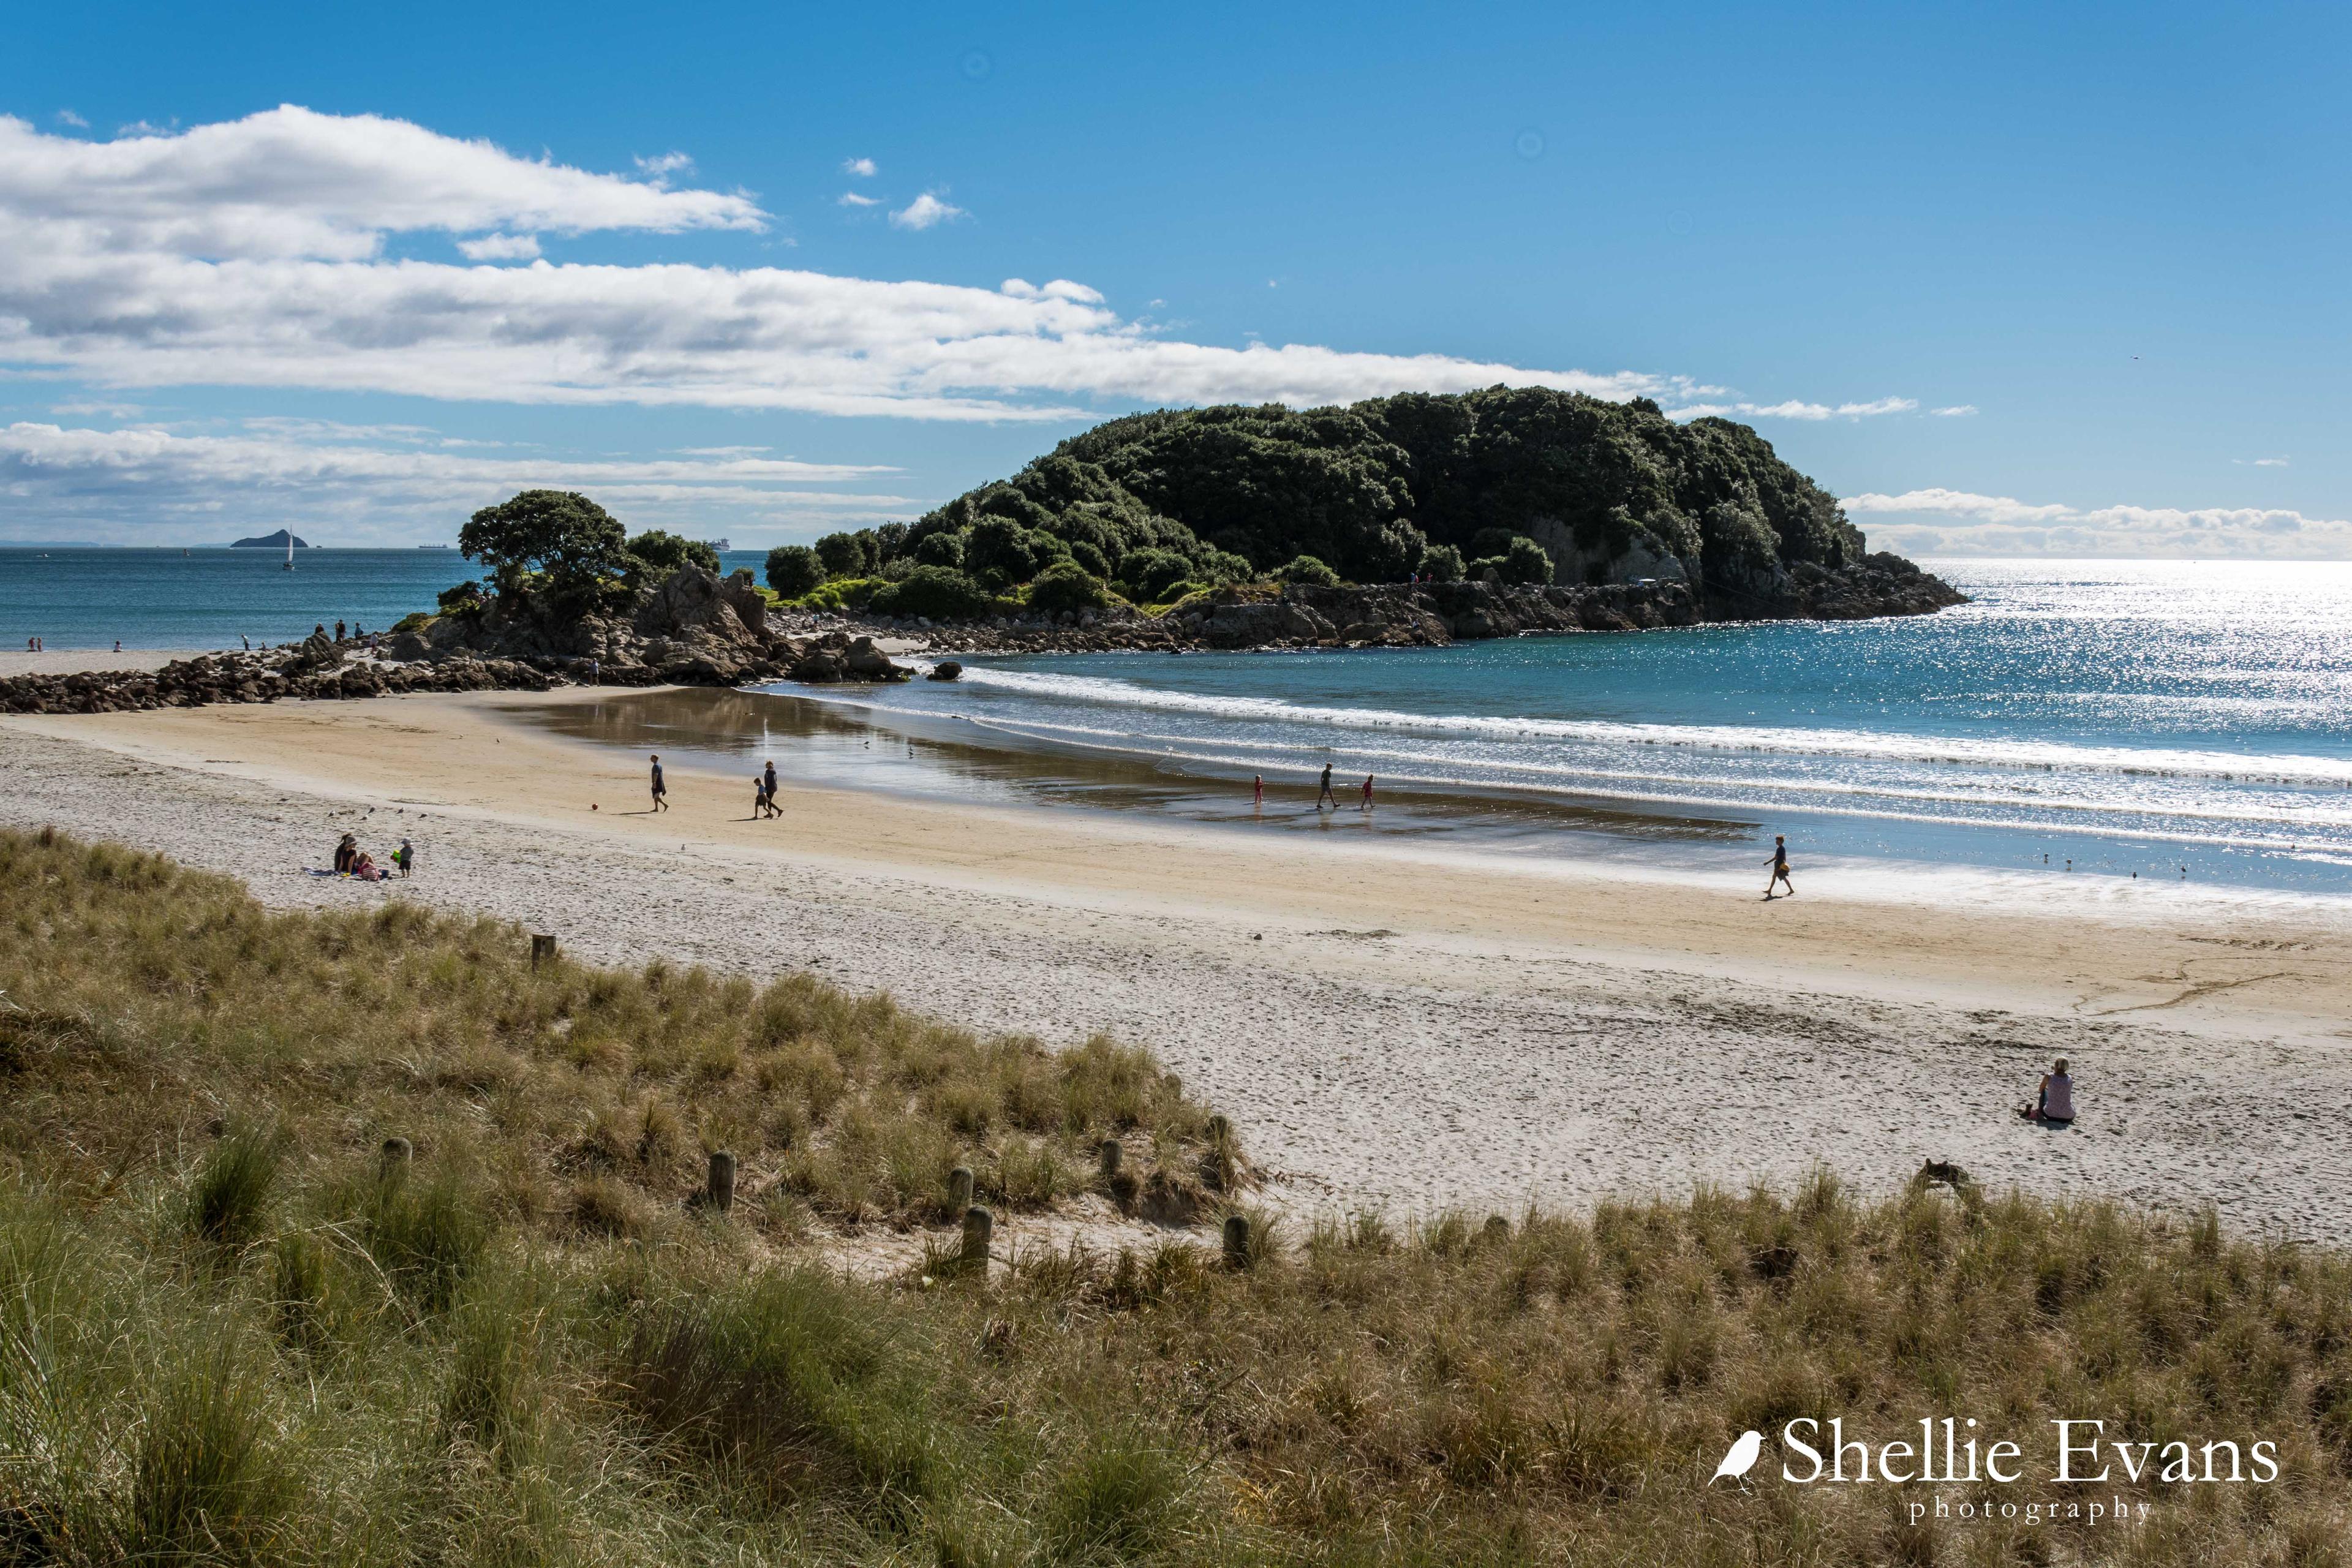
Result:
{"points": [[2175, 722]]}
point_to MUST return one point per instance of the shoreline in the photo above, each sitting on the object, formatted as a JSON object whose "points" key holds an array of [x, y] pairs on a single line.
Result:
{"points": [[1389, 1028]]}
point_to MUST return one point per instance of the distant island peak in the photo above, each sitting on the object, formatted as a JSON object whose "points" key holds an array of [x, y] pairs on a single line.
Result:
{"points": [[270, 542]]}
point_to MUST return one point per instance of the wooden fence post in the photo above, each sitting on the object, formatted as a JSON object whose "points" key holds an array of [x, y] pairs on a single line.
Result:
{"points": [[979, 1228]]}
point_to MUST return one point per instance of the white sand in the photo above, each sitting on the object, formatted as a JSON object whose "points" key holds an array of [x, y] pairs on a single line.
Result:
{"points": [[1523, 1032], [76, 661]]}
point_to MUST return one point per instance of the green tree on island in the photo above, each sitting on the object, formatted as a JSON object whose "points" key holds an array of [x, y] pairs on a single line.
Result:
{"points": [[658, 554], [574, 546]]}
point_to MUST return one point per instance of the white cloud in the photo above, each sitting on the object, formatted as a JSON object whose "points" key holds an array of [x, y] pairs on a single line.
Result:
{"points": [[501, 248], [2260, 462], [660, 169], [111, 482], [1956, 411], [858, 168], [68, 117], [1059, 288], [87, 408], [851, 199], [252, 254], [288, 184], [2002, 525], [925, 211], [1796, 410]]}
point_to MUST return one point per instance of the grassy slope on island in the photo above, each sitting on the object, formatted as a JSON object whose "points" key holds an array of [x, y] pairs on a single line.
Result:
{"points": [[225, 1336], [1415, 483]]}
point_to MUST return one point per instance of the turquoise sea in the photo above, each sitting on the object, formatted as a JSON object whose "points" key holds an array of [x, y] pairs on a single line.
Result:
{"points": [[212, 598], [2152, 720]]}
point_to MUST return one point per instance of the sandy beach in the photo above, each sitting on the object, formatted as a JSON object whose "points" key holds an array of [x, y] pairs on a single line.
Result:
{"points": [[76, 661], [1402, 1028]]}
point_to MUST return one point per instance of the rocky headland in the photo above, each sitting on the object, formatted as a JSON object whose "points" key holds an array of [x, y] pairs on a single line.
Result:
{"points": [[699, 629]]}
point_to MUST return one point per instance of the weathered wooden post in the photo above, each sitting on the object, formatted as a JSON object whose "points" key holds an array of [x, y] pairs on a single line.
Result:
{"points": [[1237, 1241], [394, 1157], [721, 1192], [542, 948], [959, 1189], [1111, 1153], [979, 1226]]}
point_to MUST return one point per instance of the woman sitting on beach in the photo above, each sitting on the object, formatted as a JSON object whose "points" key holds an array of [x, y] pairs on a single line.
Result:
{"points": [[2053, 1104], [345, 853]]}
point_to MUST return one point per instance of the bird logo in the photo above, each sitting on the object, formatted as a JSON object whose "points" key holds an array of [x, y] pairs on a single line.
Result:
{"points": [[1740, 1460]]}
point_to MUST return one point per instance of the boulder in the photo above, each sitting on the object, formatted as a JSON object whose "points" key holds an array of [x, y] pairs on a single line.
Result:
{"points": [[870, 663], [946, 670]]}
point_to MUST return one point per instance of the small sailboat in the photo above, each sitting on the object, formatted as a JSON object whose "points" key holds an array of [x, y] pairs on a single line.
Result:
{"points": [[290, 552]]}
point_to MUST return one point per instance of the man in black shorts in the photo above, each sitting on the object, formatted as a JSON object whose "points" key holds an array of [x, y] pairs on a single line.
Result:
{"points": [[1779, 864], [1327, 797], [661, 790]]}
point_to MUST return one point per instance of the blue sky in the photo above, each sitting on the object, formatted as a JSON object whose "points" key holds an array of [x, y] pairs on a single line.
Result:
{"points": [[2112, 237]]}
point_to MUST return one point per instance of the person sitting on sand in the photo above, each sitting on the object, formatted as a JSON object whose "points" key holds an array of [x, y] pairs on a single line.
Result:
{"points": [[2053, 1102], [345, 853]]}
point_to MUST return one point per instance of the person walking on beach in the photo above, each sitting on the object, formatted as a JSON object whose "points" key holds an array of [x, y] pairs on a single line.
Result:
{"points": [[1779, 864], [661, 790], [767, 788], [1368, 794], [1257, 789], [1327, 797]]}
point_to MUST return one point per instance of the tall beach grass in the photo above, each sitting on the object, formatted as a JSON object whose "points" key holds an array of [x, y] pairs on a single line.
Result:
{"points": [[230, 1332]]}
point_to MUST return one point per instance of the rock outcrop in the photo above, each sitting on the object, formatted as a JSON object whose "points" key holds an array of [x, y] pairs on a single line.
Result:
{"points": [[316, 670], [697, 629], [694, 629]]}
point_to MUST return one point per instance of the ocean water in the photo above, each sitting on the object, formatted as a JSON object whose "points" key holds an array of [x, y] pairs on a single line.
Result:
{"points": [[2174, 721], [212, 598], [2166, 720]]}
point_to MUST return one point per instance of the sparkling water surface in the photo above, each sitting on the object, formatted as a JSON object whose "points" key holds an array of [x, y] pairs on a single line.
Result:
{"points": [[2163, 720]]}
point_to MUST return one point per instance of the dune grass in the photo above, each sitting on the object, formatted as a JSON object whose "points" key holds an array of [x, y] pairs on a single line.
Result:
{"points": [[231, 1332]]}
